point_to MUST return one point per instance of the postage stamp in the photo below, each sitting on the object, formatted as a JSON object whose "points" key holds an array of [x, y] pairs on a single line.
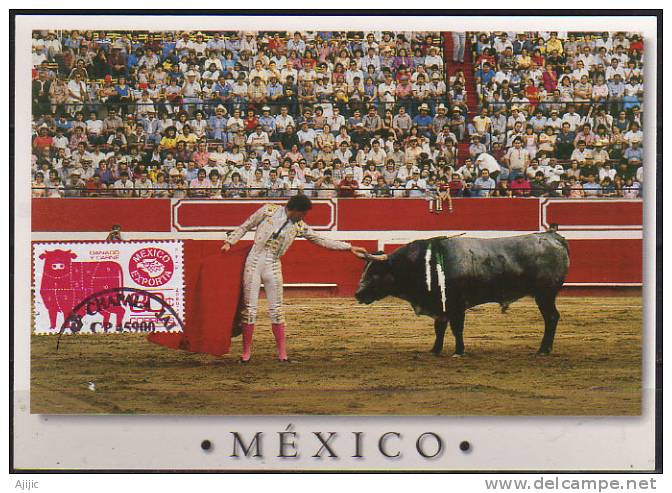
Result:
{"points": [[107, 287]]}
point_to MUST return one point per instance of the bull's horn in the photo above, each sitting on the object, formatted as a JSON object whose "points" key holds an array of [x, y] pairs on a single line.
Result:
{"points": [[458, 234], [382, 257]]}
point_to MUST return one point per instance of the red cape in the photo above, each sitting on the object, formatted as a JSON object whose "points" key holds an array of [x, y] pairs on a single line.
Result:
{"points": [[217, 304]]}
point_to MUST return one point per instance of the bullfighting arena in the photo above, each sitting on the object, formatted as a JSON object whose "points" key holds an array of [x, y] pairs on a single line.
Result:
{"points": [[354, 359]]}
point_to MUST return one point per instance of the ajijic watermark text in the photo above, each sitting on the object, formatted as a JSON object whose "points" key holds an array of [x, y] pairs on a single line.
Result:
{"points": [[26, 484]]}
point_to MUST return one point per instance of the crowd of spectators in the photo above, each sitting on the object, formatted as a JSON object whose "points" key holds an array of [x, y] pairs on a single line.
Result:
{"points": [[347, 114], [561, 111]]}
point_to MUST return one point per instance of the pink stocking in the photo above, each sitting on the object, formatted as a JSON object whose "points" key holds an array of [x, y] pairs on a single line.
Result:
{"points": [[279, 333], [248, 329]]}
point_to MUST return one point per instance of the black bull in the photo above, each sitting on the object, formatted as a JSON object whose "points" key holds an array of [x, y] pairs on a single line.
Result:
{"points": [[443, 277]]}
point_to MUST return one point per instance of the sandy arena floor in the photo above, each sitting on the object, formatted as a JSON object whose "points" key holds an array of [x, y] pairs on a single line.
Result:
{"points": [[366, 360]]}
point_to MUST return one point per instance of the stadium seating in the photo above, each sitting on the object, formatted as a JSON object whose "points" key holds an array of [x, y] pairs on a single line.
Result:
{"points": [[347, 114]]}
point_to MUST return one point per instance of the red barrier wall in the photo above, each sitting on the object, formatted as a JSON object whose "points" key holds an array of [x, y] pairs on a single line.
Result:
{"points": [[99, 214], [605, 261], [189, 215], [412, 214], [584, 214], [162, 215], [593, 259]]}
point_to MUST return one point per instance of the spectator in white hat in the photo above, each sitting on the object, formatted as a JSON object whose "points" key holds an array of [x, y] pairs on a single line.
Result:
{"points": [[191, 93], [440, 119], [416, 185], [267, 122], [634, 154], [457, 123]]}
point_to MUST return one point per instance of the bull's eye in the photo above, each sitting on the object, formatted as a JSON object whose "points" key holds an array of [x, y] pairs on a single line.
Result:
{"points": [[58, 266]]}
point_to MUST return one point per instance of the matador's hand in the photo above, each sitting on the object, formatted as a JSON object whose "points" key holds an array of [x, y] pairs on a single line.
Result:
{"points": [[226, 246]]}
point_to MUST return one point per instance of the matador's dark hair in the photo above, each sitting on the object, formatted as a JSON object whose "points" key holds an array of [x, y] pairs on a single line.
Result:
{"points": [[299, 203]]}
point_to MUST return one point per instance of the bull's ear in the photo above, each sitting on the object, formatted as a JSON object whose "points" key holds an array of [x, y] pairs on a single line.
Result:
{"points": [[72, 255], [43, 255]]}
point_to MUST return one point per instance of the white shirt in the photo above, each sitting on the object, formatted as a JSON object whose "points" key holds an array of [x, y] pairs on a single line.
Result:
{"points": [[404, 173], [574, 120], [143, 188], [78, 89], [364, 190], [199, 48], [377, 157], [282, 122], [629, 136], [293, 186], [285, 72], [335, 122], [38, 58], [234, 124], [556, 123], [306, 136], [607, 172], [94, 127], [385, 87], [124, 185], [433, 60], [191, 90], [611, 71], [517, 158], [61, 143], [258, 140], [421, 185], [487, 161], [245, 173]]}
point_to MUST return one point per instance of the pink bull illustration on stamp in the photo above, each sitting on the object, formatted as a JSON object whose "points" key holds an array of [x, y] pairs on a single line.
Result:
{"points": [[65, 283]]}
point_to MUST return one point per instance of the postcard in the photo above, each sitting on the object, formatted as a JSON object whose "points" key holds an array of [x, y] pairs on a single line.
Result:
{"points": [[323, 237]]}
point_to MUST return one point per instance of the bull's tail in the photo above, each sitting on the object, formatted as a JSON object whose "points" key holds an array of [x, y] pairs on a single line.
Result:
{"points": [[561, 241]]}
